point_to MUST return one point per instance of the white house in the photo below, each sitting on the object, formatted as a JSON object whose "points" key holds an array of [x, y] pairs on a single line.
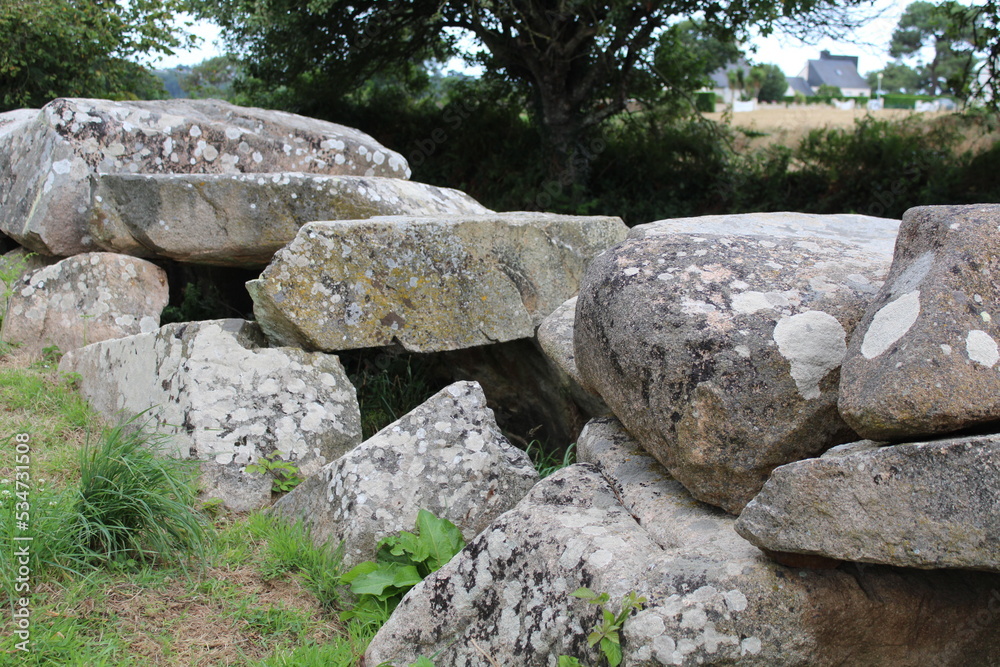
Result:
{"points": [[838, 71]]}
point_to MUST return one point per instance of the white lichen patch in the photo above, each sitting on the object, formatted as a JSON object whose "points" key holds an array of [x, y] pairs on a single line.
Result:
{"points": [[981, 348], [814, 343], [891, 323], [751, 301]]}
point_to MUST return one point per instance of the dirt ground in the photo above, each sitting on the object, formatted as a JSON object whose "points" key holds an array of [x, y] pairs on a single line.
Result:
{"points": [[787, 126]]}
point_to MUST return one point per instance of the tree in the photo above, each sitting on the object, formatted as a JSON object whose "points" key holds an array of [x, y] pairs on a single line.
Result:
{"points": [[211, 78], [72, 48], [687, 53], [948, 28], [774, 85], [896, 78], [580, 60], [827, 90], [755, 81]]}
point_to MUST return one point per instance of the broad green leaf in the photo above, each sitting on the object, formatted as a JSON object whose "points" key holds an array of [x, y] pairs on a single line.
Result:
{"points": [[398, 549], [412, 546], [612, 651], [568, 661], [384, 576], [585, 593], [407, 576], [441, 538], [357, 571], [422, 662]]}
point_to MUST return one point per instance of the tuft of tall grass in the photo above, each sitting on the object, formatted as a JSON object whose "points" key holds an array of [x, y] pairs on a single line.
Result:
{"points": [[131, 505], [133, 502], [547, 462]]}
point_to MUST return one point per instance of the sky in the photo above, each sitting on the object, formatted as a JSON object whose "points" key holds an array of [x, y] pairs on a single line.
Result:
{"points": [[870, 44]]}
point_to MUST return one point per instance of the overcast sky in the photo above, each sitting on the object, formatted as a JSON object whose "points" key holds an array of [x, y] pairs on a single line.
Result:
{"points": [[870, 44]]}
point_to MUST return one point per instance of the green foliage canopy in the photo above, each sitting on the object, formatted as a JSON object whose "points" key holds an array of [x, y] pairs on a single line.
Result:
{"points": [[774, 84], [896, 78], [579, 62], [67, 48], [950, 28]]}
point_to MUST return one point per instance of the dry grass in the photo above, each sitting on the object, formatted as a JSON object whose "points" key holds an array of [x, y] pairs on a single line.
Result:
{"points": [[787, 126]]}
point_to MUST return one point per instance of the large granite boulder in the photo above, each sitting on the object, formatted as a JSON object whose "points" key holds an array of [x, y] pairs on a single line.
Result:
{"points": [[47, 163], [243, 219], [924, 360], [430, 284], [620, 524], [85, 299], [226, 400], [446, 456], [720, 351], [927, 505]]}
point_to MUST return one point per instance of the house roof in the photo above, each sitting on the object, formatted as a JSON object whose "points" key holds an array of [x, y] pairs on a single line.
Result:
{"points": [[799, 85], [834, 72], [720, 77]]}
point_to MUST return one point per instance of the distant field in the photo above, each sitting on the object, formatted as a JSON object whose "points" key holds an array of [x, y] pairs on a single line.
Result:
{"points": [[787, 126]]}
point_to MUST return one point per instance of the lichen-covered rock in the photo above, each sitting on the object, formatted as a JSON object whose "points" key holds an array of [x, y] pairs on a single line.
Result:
{"points": [[430, 284], [875, 234], [924, 360], [555, 337], [47, 163], [447, 456], [226, 400], [720, 352], [713, 599], [243, 219], [85, 299], [927, 505]]}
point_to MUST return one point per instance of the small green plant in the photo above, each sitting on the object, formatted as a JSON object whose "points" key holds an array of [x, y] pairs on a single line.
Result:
{"points": [[285, 473], [51, 354], [548, 462], [401, 562], [606, 631]]}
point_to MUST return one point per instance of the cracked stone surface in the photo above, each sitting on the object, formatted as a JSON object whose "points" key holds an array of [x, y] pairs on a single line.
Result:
{"points": [[429, 283], [621, 524], [85, 299], [48, 161], [922, 504], [924, 360], [243, 219], [720, 350], [226, 399], [446, 456]]}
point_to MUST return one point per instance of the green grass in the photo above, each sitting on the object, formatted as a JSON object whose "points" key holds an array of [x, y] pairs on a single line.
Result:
{"points": [[133, 502], [548, 461], [116, 531]]}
